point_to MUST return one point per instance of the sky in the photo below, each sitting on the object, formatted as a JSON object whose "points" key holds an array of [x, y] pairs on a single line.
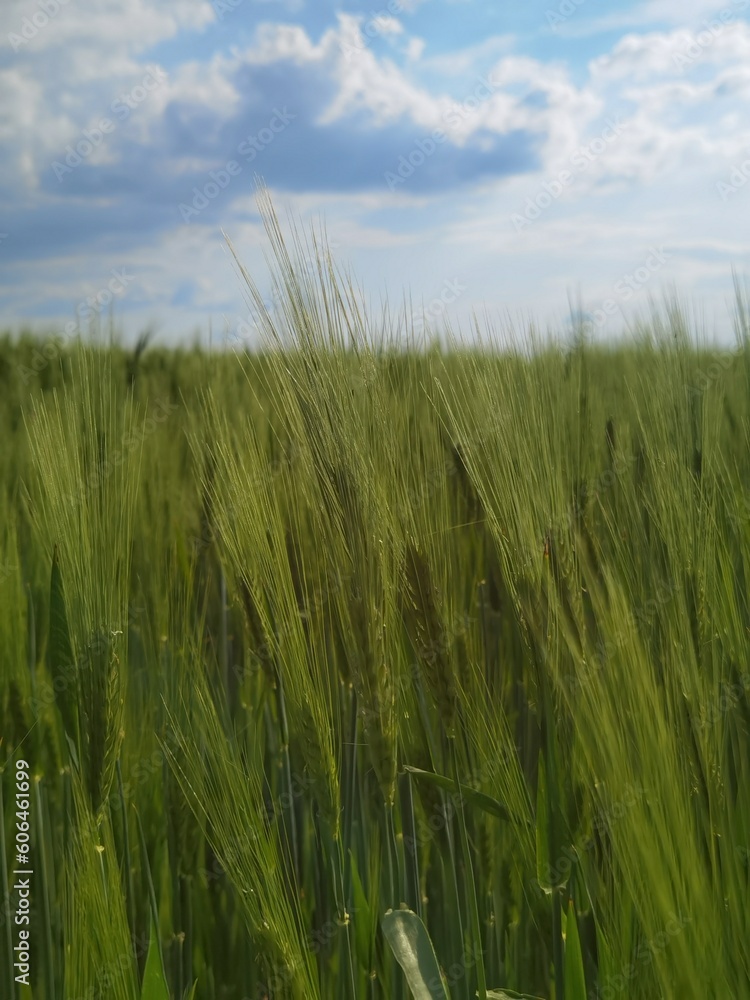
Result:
{"points": [[479, 164]]}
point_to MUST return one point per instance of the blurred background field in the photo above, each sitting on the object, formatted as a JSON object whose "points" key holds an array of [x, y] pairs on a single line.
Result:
{"points": [[296, 637]]}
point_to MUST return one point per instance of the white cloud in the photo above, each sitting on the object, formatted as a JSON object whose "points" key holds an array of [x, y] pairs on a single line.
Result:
{"points": [[86, 56], [387, 93], [204, 85], [275, 42], [464, 62], [414, 49], [686, 127], [673, 53], [651, 13], [384, 25], [113, 25]]}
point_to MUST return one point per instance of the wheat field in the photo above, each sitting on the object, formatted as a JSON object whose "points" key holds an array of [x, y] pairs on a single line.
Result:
{"points": [[351, 667]]}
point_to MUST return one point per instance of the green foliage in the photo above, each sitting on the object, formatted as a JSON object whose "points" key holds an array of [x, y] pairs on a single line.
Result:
{"points": [[341, 643], [410, 943], [471, 796], [575, 978], [154, 985]]}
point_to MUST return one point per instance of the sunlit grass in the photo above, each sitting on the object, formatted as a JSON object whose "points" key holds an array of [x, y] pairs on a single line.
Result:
{"points": [[297, 637]]}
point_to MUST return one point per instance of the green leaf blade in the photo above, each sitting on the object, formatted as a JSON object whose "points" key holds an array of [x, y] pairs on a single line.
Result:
{"points": [[543, 860], [154, 986], [471, 796], [575, 979], [412, 947], [60, 650]]}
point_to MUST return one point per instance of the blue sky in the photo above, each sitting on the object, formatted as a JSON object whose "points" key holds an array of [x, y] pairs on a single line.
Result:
{"points": [[491, 159]]}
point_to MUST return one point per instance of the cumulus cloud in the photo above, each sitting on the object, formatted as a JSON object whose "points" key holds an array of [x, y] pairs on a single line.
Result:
{"points": [[344, 117], [104, 26], [673, 53]]}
